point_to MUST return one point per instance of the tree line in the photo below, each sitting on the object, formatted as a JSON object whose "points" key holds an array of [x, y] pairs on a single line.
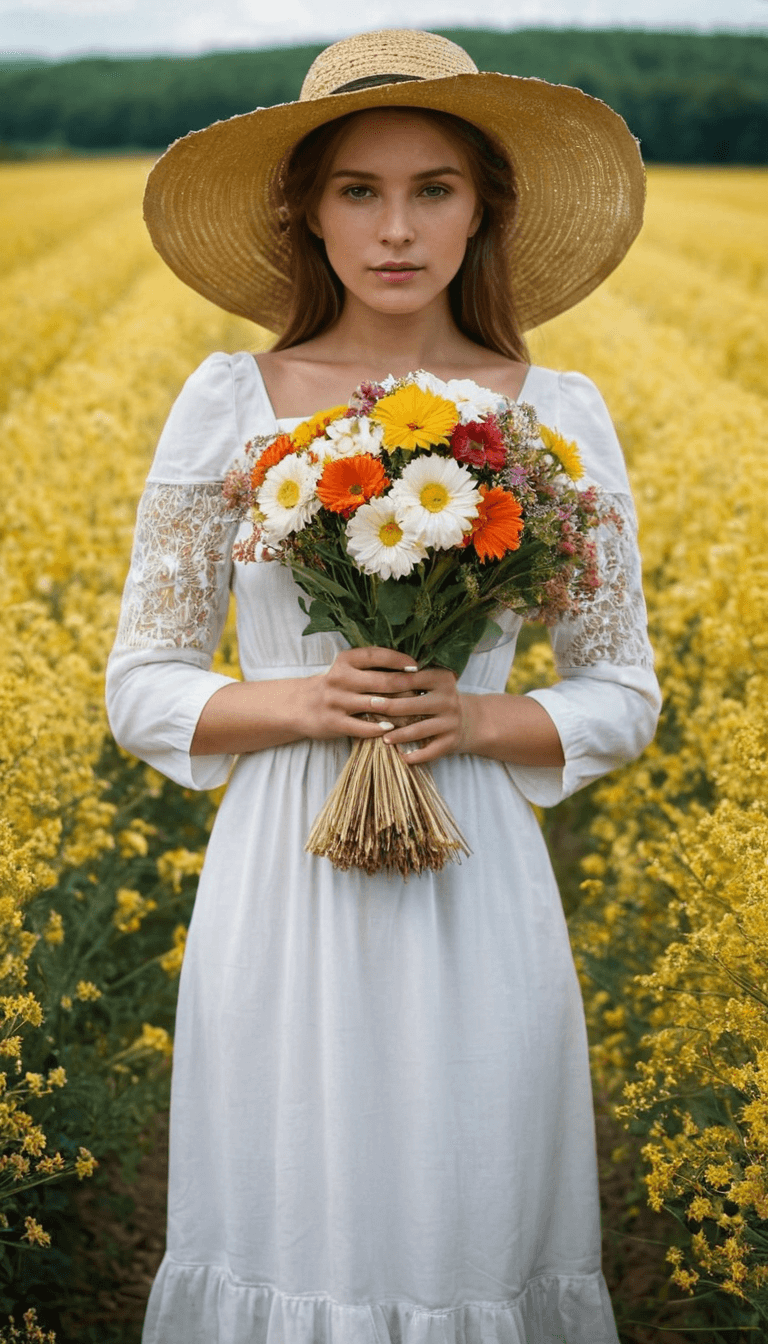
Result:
{"points": [[689, 98]]}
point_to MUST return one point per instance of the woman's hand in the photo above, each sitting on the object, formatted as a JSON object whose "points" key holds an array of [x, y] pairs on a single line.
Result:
{"points": [[388, 685], [385, 684], [444, 720], [248, 716], [254, 716]]}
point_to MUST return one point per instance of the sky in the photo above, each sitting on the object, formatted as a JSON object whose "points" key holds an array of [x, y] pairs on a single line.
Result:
{"points": [[60, 28]]}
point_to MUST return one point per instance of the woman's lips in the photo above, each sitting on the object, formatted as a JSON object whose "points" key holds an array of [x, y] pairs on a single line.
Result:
{"points": [[396, 275]]}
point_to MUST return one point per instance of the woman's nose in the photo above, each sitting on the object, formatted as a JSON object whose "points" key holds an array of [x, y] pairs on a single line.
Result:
{"points": [[395, 225]]}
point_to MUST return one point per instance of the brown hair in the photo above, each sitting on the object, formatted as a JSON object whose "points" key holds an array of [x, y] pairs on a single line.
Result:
{"points": [[480, 294]]}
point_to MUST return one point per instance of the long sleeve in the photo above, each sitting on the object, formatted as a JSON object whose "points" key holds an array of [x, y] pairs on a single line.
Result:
{"points": [[606, 704], [176, 595]]}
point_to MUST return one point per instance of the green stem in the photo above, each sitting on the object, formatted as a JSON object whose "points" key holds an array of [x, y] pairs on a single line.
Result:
{"points": [[13, 1191], [118, 984]]}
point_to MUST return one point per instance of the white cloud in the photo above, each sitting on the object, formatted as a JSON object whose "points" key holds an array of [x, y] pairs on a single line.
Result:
{"points": [[58, 8], [66, 27]]}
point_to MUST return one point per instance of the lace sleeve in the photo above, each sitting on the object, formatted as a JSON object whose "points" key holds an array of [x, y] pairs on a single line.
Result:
{"points": [[612, 628], [176, 592], [606, 705], [173, 612]]}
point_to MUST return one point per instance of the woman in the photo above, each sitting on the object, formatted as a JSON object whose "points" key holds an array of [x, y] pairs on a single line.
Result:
{"points": [[381, 1123]]}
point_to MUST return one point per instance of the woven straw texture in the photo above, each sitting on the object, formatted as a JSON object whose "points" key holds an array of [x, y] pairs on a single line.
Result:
{"points": [[580, 176]]}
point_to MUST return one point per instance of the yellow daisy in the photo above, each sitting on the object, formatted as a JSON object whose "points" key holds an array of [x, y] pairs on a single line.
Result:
{"points": [[315, 426], [414, 418], [566, 452]]}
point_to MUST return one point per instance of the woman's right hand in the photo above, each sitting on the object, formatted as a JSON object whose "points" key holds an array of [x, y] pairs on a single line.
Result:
{"points": [[246, 716], [357, 682]]}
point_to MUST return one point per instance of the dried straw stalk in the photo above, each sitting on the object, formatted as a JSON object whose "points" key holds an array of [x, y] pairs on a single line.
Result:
{"points": [[384, 815]]}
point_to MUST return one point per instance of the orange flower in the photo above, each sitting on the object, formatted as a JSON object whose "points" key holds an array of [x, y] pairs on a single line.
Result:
{"points": [[349, 481], [270, 457], [498, 524]]}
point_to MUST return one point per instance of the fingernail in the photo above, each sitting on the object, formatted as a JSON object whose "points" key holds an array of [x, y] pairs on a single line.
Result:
{"points": [[383, 724], [411, 668], [377, 700]]}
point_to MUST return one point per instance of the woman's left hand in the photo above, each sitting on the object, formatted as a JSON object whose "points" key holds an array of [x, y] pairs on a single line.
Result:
{"points": [[443, 722]]}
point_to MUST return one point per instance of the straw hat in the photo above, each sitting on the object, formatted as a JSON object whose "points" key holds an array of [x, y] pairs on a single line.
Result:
{"points": [[579, 174]]}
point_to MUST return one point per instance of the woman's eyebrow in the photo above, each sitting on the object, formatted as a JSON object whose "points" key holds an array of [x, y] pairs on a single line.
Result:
{"points": [[416, 177]]}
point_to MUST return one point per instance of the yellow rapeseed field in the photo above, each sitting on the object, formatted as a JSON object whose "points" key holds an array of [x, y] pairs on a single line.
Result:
{"points": [[671, 933]]}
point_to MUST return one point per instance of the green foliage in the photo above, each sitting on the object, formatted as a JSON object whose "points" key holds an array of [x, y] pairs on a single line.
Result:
{"points": [[689, 97], [118, 1068], [104, 103]]}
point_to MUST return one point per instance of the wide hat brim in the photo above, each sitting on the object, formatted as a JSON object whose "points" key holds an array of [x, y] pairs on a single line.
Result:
{"points": [[210, 210]]}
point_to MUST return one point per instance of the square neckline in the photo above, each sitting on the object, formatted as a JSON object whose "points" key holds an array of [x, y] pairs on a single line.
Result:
{"points": [[297, 419]]}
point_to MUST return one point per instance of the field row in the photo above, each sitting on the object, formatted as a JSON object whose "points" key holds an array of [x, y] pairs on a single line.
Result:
{"points": [[671, 933]]}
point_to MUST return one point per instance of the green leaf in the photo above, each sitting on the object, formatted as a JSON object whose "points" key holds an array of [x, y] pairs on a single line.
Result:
{"points": [[310, 579], [382, 631], [395, 600], [453, 651], [491, 630], [321, 619], [356, 633]]}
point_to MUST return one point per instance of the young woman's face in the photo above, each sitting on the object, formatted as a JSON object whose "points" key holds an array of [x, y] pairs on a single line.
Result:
{"points": [[396, 211]]}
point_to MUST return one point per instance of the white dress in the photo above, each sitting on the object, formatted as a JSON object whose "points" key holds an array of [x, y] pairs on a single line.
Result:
{"points": [[381, 1119]]}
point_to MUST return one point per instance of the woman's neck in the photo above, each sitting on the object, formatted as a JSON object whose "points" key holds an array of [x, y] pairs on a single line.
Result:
{"points": [[393, 341]]}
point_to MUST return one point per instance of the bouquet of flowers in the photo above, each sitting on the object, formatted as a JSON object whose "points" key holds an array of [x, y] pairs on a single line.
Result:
{"points": [[409, 517]]}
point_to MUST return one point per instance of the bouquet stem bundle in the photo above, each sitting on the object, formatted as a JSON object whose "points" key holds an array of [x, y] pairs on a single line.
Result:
{"points": [[384, 815]]}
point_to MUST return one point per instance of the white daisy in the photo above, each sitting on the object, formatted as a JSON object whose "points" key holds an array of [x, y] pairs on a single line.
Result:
{"points": [[429, 382], [348, 437], [438, 497], [472, 401], [381, 544], [287, 498]]}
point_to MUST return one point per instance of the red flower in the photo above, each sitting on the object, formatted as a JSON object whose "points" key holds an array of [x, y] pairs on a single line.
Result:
{"points": [[479, 444]]}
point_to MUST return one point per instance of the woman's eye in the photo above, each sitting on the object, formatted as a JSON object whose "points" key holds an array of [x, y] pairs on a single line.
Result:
{"points": [[356, 193], [434, 191]]}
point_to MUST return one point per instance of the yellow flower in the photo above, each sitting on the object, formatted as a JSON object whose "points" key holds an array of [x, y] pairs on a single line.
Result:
{"points": [[53, 931], [315, 426], [566, 452], [172, 959], [176, 864], [86, 990], [131, 909], [19, 1165], [413, 418], [685, 1279], [700, 1208], [34, 1141], [34, 1332], [718, 1174], [49, 1166], [35, 1234], [132, 841], [85, 1163], [154, 1038]]}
